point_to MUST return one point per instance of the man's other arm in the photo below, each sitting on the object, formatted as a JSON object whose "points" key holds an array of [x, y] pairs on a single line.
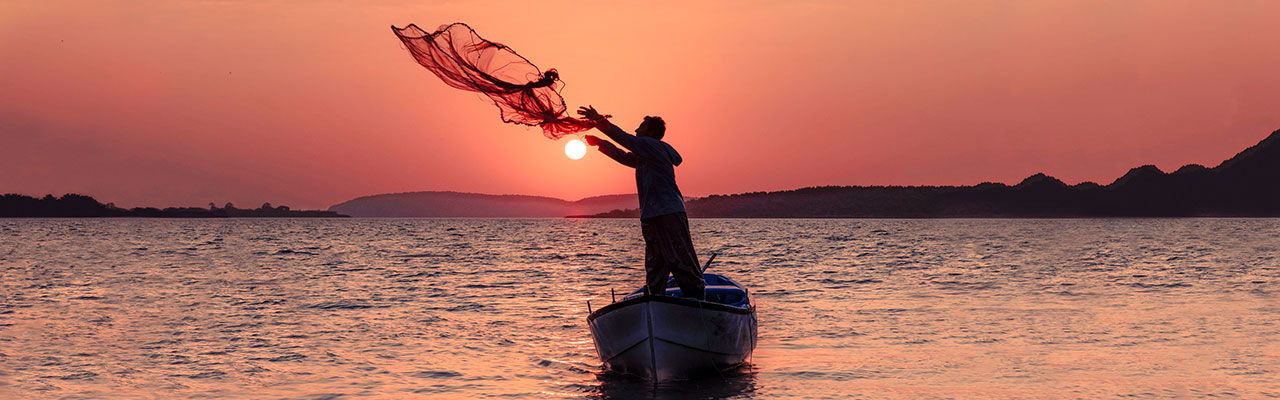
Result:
{"points": [[619, 155]]}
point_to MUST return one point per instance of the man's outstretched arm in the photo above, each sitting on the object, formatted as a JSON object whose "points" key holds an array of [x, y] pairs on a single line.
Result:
{"points": [[619, 155], [601, 122]]}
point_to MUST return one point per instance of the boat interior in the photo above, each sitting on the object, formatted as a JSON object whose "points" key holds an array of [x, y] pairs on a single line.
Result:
{"points": [[719, 290]]}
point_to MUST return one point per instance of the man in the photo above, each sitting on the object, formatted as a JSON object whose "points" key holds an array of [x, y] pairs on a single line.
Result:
{"points": [[667, 246]]}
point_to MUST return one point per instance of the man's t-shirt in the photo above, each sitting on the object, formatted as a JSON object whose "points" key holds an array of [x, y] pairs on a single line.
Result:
{"points": [[655, 162]]}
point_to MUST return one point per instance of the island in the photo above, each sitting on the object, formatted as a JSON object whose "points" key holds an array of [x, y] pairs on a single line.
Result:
{"points": [[477, 205], [73, 205], [1246, 185]]}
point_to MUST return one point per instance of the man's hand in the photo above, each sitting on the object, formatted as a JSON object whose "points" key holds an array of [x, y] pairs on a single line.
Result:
{"points": [[590, 113], [594, 141]]}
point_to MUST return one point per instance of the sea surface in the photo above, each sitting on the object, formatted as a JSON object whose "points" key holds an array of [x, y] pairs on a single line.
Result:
{"points": [[496, 308]]}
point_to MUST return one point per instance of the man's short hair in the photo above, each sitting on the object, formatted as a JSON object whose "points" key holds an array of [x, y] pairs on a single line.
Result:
{"points": [[657, 127]]}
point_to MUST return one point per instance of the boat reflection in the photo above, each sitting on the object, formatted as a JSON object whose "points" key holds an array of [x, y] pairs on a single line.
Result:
{"points": [[733, 384]]}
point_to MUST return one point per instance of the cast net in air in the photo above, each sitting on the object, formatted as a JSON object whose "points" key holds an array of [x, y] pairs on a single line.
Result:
{"points": [[523, 93]]}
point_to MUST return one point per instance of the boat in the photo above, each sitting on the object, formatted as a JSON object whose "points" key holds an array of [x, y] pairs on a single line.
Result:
{"points": [[664, 337]]}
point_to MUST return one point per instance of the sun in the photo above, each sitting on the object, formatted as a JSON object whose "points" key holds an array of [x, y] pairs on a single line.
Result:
{"points": [[575, 149]]}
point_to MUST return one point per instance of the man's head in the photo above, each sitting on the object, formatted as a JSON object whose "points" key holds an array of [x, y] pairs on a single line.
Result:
{"points": [[652, 127]]}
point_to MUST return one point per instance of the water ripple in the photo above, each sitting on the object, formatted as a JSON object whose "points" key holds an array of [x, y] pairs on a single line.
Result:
{"points": [[468, 308]]}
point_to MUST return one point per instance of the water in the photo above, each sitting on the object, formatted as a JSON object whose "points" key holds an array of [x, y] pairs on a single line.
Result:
{"points": [[144, 308]]}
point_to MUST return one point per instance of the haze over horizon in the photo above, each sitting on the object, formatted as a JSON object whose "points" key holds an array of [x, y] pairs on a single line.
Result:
{"points": [[155, 103]]}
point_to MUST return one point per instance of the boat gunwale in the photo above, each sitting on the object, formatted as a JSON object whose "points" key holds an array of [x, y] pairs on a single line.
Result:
{"points": [[682, 301]]}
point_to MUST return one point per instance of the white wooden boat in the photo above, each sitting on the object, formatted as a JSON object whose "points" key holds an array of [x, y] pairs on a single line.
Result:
{"points": [[668, 337]]}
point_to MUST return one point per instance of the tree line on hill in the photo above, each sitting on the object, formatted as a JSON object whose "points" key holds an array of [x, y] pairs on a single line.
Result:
{"points": [[73, 205], [1246, 185]]}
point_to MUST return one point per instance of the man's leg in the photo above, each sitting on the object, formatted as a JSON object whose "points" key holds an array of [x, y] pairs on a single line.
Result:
{"points": [[655, 268], [684, 261]]}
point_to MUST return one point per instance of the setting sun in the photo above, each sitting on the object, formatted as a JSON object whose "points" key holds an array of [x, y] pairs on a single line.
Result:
{"points": [[575, 149]]}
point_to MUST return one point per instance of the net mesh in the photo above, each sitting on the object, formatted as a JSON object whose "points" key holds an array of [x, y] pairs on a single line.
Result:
{"points": [[523, 93]]}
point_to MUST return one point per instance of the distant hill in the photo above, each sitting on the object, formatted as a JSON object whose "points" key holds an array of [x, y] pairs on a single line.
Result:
{"points": [[475, 205], [1247, 185], [73, 205]]}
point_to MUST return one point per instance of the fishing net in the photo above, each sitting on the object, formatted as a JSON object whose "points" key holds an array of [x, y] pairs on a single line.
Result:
{"points": [[523, 93]]}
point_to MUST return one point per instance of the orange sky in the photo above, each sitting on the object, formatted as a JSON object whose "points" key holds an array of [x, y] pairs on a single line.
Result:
{"points": [[313, 103]]}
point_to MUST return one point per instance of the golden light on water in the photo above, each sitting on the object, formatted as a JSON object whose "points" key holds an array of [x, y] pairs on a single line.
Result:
{"points": [[575, 149]]}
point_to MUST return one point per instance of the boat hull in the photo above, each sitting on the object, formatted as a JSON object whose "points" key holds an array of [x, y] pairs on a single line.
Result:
{"points": [[672, 338]]}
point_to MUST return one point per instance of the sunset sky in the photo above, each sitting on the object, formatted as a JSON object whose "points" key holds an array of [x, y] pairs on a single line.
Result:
{"points": [[308, 104]]}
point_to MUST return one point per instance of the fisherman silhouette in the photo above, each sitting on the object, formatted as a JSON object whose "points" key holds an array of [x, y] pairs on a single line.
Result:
{"points": [[668, 249]]}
